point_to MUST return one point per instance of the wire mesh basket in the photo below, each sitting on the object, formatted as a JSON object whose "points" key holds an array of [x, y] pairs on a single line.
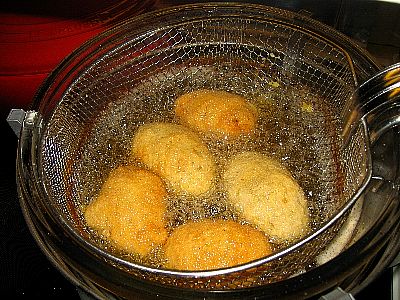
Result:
{"points": [[301, 81]]}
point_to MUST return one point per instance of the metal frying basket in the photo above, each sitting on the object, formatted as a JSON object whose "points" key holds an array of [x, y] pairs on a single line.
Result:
{"points": [[86, 115]]}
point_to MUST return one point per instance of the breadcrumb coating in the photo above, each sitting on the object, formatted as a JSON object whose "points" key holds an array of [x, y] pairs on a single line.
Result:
{"points": [[129, 210], [209, 244], [218, 112], [178, 155], [266, 195]]}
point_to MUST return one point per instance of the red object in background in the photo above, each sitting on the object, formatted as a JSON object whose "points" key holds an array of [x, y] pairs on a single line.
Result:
{"points": [[35, 36]]}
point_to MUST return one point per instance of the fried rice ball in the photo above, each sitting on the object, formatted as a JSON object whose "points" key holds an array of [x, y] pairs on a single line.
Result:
{"points": [[221, 113], [177, 154], [208, 245], [129, 210], [266, 195]]}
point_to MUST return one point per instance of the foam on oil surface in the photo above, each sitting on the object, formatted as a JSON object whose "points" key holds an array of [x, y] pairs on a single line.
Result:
{"points": [[295, 126]]}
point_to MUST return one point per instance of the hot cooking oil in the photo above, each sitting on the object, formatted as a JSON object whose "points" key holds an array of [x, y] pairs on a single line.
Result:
{"points": [[296, 126]]}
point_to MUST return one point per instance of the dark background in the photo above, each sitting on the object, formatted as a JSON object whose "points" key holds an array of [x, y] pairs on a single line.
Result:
{"points": [[24, 271]]}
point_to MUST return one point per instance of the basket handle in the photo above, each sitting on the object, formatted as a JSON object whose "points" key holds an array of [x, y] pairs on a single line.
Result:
{"points": [[378, 104]]}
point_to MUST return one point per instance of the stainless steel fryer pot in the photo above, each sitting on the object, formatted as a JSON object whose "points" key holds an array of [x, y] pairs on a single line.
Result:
{"points": [[131, 75]]}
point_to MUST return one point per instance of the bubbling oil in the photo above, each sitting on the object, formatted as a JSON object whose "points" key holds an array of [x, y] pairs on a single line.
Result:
{"points": [[295, 126]]}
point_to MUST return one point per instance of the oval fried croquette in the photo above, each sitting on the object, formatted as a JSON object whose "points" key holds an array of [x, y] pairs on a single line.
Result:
{"points": [[208, 245], [221, 113], [129, 210], [177, 154], [266, 195]]}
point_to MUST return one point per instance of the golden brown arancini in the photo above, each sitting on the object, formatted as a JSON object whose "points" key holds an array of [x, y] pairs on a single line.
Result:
{"points": [[177, 154], [129, 210], [208, 245], [266, 194], [221, 113]]}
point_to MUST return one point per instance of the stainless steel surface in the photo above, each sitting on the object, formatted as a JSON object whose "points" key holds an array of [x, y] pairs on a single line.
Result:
{"points": [[396, 282], [337, 294], [377, 101]]}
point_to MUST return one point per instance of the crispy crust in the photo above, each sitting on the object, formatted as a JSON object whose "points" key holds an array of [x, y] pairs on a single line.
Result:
{"points": [[178, 155], [208, 244], [129, 210], [266, 194], [218, 112]]}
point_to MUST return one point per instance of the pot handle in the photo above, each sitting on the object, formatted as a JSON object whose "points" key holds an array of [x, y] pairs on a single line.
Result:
{"points": [[376, 104], [15, 119]]}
